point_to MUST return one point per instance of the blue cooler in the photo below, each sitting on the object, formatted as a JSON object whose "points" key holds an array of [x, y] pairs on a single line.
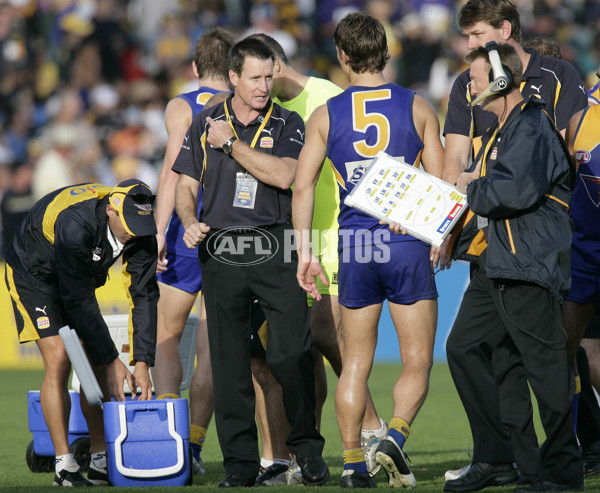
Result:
{"points": [[148, 442], [42, 444]]}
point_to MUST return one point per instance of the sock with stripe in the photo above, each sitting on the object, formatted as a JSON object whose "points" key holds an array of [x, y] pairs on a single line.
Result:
{"points": [[354, 459], [168, 396], [197, 437], [398, 429]]}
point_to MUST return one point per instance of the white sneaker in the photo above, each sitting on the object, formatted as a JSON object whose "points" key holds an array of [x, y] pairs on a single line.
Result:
{"points": [[456, 473], [293, 475], [197, 466], [369, 444], [395, 463]]}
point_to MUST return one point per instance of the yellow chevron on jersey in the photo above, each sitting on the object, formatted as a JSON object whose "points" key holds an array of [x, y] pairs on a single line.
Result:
{"points": [[66, 198]]}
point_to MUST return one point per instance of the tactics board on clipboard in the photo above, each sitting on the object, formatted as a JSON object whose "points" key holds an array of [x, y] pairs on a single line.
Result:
{"points": [[394, 191]]}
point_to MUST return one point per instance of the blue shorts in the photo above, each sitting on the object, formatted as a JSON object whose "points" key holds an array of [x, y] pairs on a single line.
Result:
{"points": [[585, 286], [182, 273], [399, 272]]}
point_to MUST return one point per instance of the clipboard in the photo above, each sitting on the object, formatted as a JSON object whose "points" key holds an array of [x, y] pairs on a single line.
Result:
{"points": [[394, 191]]}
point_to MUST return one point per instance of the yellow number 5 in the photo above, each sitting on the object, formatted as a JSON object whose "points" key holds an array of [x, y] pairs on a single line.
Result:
{"points": [[361, 120]]}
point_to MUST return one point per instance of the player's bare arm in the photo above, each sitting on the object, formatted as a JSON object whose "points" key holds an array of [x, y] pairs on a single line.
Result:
{"points": [[570, 131], [178, 118], [269, 169], [186, 202], [456, 156], [428, 128], [310, 164]]}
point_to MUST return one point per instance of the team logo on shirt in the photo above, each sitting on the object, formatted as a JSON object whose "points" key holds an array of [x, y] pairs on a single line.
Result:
{"points": [[266, 142], [43, 322], [592, 187]]}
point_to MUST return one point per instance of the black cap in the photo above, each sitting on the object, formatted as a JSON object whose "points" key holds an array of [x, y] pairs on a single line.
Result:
{"points": [[134, 201]]}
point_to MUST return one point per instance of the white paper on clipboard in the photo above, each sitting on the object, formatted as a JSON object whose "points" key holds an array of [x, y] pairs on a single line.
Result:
{"points": [[81, 365], [394, 191]]}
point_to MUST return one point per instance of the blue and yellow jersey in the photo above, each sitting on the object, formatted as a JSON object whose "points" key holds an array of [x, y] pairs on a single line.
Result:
{"points": [[362, 122], [585, 201], [594, 94], [174, 234]]}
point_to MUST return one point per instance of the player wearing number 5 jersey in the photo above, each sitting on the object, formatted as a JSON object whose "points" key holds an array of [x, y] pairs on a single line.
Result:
{"points": [[372, 116]]}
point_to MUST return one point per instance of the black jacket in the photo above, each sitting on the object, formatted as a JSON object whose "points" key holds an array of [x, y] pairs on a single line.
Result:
{"points": [[63, 243], [524, 194]]}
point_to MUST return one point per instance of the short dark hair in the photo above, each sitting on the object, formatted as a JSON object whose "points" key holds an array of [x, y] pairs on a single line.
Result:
{"points": [[545, 46], [273, 45], [362, 38], [493, 13], [248, 47], [508, 57], [210, 54]]}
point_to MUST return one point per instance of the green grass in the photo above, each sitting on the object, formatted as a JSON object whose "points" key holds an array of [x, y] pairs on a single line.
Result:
{"points": [[439, 436]]}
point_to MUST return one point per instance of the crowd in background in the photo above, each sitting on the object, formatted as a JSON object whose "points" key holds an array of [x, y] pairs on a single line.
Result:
{"points": [[84, 83]]}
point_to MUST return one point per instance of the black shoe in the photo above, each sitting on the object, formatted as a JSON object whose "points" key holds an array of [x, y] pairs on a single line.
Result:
{"points": [[526, 479], [314, 470], [481, 475], [591, 460], [235, 481], [541, 485], [353, 479], [272, 475], [68, 478], [98, 476], [395, 463]]}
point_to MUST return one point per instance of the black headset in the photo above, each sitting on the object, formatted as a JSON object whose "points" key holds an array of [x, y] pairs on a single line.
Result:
{"points": [[501, 82]]}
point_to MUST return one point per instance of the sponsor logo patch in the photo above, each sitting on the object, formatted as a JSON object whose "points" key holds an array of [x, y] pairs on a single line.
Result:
{"points": [[266, 142], [43, 322]]}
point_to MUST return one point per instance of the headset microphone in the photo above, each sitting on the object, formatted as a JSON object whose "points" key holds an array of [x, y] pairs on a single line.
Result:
{"points": [[502, 81]]}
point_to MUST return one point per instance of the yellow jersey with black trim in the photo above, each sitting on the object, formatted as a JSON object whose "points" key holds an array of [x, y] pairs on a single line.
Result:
{"points": [[327, 202], [63, 246]]}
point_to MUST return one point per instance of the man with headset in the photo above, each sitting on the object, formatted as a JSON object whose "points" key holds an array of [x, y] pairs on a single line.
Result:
{"points": [[58, 257], [518, 193], [559, 85]]}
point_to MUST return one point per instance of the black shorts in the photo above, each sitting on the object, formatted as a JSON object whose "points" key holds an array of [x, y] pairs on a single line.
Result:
{"points": [[39, 311]]}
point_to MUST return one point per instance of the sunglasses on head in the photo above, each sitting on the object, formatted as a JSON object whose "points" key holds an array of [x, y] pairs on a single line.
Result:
{"points": [[141, 198]]}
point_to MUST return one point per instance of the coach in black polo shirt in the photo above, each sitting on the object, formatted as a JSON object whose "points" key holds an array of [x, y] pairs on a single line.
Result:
{"points": [[244, 151]]}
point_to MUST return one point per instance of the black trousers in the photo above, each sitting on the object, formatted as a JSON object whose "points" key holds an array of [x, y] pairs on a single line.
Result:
{"points": [[525, 321], [234, 273], [588, 418]]}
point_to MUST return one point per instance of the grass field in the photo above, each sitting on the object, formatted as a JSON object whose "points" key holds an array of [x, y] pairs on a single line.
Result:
{"points": [[438, 441]]}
